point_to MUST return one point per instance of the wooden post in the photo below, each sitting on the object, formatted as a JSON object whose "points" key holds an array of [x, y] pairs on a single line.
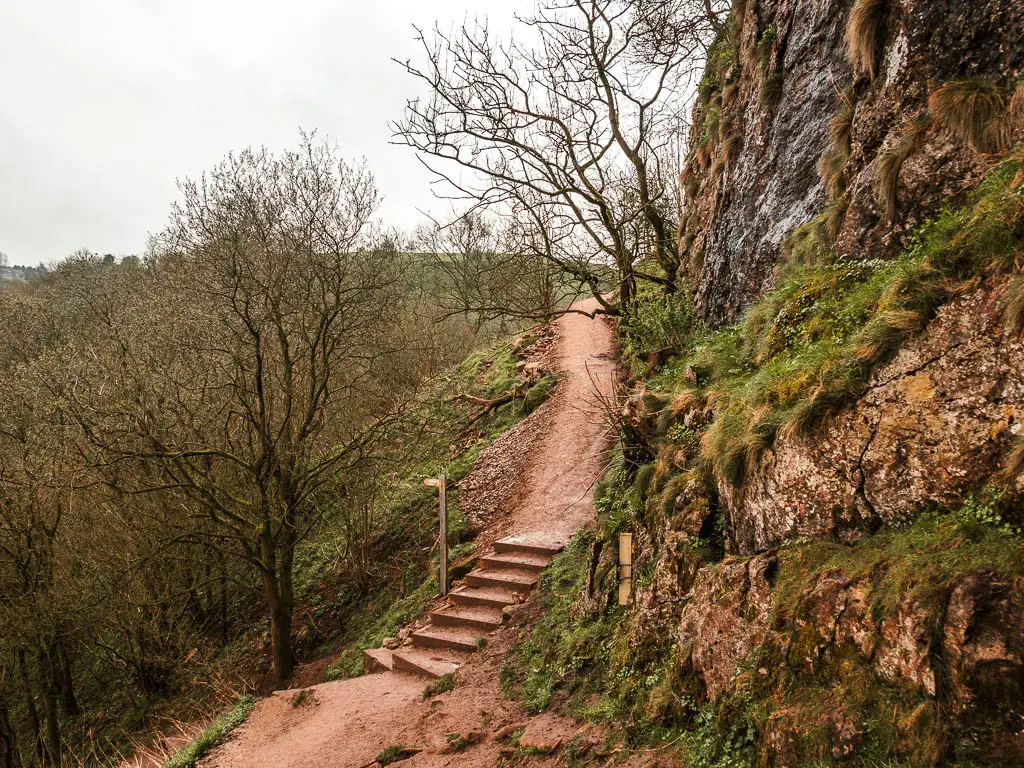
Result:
{"points": [[443, 493], [625, 567], [441, 483]]}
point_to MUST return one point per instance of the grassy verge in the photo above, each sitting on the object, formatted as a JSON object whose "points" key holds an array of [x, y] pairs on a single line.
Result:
{"points": [[213, 735]]}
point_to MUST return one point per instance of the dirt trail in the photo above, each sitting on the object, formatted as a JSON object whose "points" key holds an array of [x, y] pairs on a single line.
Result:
{"points": [[346, 724]]}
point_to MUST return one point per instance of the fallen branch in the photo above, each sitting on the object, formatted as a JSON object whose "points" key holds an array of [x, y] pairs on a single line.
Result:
{"points": [[490, 405]]}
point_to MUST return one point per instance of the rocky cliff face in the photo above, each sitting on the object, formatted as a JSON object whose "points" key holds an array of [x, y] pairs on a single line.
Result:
{"points": [[762, 129], [935, 422], [863, 606]]}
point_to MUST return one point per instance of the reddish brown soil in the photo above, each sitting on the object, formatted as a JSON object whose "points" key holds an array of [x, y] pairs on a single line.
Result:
{"points": [[346, 724]]}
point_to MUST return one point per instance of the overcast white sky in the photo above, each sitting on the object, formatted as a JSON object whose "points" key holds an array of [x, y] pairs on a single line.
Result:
{"points": [[105, 103]]}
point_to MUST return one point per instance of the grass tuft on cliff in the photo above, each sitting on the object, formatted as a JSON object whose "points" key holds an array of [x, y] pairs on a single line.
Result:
{"points": [[976, 112], [892, 159], [865, 34]]}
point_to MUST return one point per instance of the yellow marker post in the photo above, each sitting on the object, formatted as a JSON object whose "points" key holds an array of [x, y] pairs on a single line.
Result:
{"points": [[625, 567]]}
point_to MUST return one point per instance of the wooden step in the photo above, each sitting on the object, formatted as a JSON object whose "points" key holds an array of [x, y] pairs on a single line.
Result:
{"points": [[517, 581], [494, 597], [475, 616], [432, 663], [457, 638], [377, 660], [534, 544], [525, 561]]}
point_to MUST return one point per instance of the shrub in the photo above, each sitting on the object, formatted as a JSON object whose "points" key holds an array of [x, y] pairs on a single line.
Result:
{"points": [[771, 90], [1017, 107], [865, 35], [392, 754], [1014, 313], [832, 169], [832, 166], [729, 95], [841, 126], [766, 45], [663, 323]]}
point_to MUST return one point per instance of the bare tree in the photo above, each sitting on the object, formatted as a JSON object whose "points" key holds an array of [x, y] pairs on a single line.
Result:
{"points": [[567, 133], [257, 367], [475, 274]]}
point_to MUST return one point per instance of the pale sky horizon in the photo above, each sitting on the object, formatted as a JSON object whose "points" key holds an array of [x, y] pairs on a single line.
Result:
{"points": [[106, 103]]}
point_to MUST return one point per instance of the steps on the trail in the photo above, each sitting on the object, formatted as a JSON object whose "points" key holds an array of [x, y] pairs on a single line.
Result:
{"points": [[505, 578], [377, 660], [457, 638], [457, 630], [535, 544], [494, 597], [525, 561], [481, 617], [428, 662]]}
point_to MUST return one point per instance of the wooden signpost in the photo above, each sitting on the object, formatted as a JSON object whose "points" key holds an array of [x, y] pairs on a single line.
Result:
{"points": [[441, 483]]}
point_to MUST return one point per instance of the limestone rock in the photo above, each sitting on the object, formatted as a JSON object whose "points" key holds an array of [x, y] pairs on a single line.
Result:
{"points": [[726, 618], [739, 217], [938, 417], [983, 648]]}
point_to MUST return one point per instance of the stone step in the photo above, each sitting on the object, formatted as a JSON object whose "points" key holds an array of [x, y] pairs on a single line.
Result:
{"points": [[457, 638], [515, 580], [494, 597], [534, 544], [474, 616], [377, 660], [526, 561], [432, 663]]}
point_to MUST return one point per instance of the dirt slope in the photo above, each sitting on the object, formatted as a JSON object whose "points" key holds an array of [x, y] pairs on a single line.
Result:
{"points": [[346, 724]]}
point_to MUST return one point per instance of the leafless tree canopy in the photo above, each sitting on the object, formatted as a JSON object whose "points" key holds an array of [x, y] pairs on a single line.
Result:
{"points": [[172, 429], [474, 272], [569, 129]]}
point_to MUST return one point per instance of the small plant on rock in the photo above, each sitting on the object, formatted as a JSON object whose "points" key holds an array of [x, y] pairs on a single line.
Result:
{"points": [[443, 684]]}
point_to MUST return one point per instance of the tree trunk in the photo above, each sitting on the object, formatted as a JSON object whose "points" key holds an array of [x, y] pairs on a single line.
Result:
{"points": [[34, 725], [9, 757], [52, 726], [626, 290], [62, 678], [278, 593]]}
